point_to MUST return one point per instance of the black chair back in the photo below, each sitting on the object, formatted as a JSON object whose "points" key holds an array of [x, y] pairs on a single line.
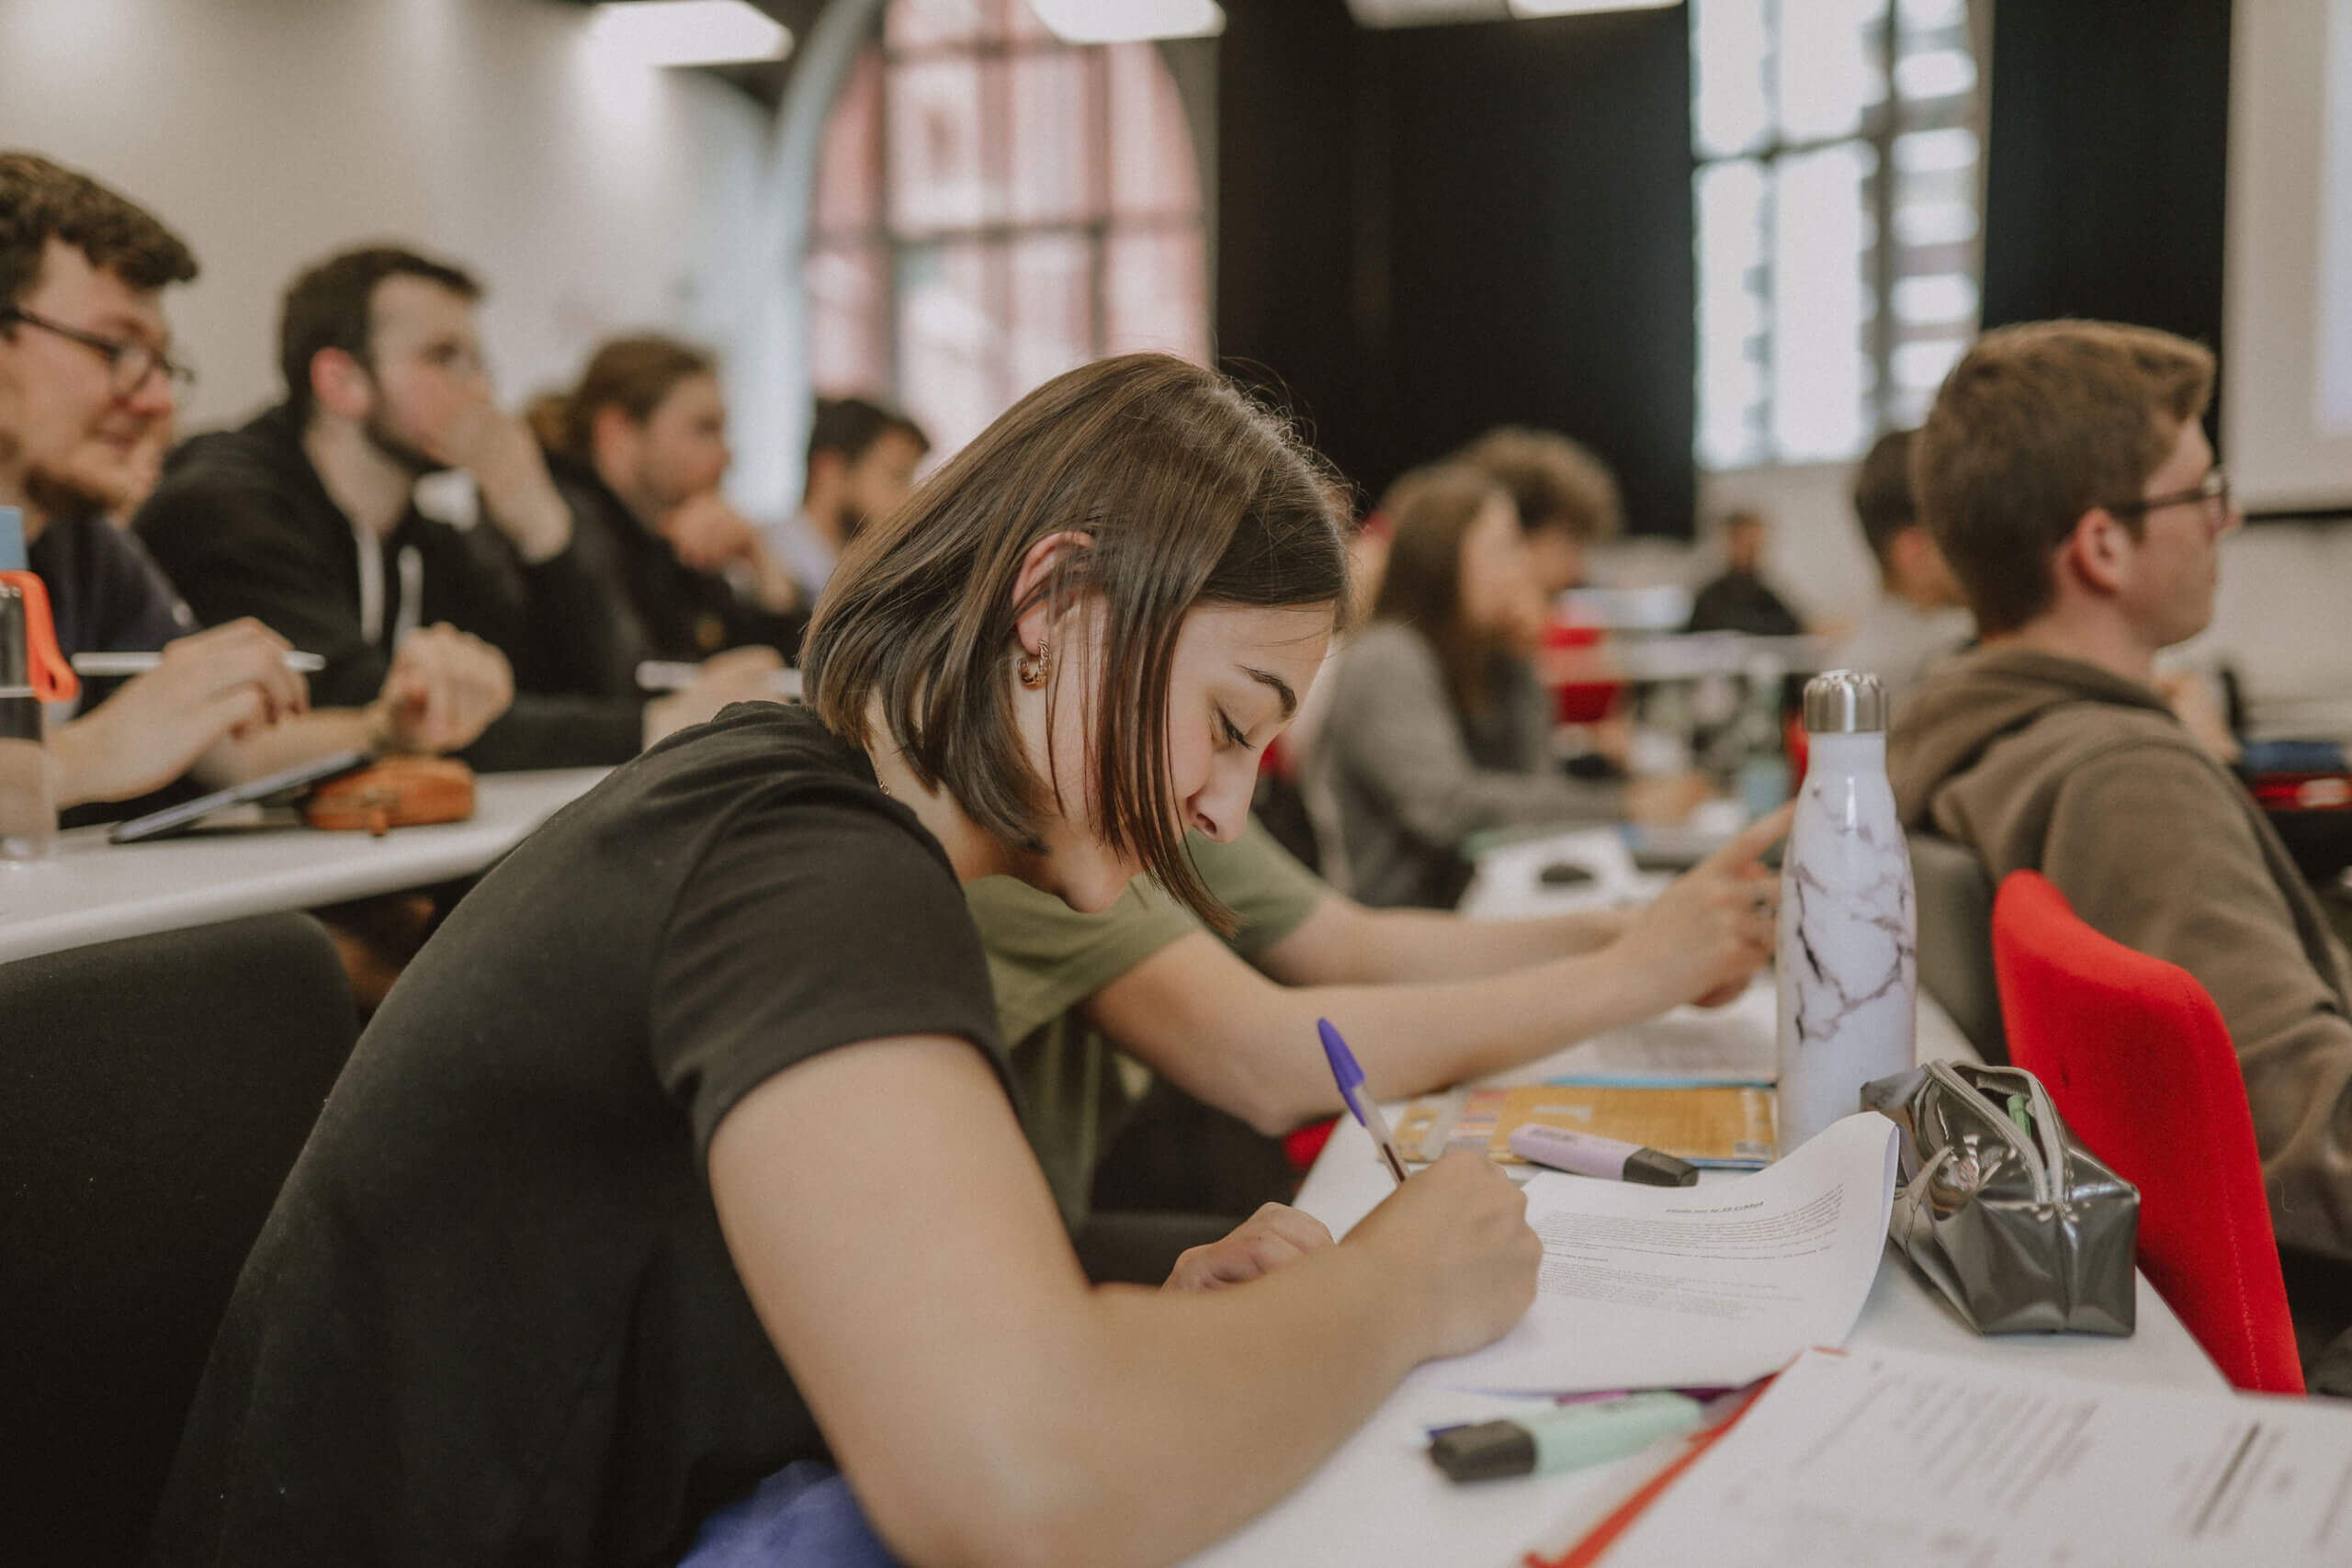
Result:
{"points": [[153, 1094], [1956, 939]]}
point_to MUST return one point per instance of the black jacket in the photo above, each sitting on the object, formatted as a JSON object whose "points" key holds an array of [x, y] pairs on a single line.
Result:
{"points": [[672, 611], [242, 525]]}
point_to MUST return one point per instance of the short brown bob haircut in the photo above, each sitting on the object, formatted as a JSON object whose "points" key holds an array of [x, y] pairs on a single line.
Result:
{"points": [[1428, 512], [1191, 492], [2038, 424], [1553, 482]]}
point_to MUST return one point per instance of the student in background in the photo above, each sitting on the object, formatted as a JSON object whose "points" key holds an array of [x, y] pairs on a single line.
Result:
{"points": [[303, 519], [86, 383], [1920, 616], [862, 460], [1567, 498], [1438, 727], [2064, 471], [1740, 600], [639, 449], [734, 1182]]}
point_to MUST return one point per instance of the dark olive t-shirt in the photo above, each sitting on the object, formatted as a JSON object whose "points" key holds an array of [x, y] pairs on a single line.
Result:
{"points": [[491, 1319]]}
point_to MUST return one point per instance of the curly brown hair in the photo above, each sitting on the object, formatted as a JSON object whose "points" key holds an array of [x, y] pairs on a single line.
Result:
{"points": [[1553, 482], [41, 201]]}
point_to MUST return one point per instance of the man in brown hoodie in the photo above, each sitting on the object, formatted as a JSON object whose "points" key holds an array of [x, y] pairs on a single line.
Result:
{"points": [[2065, 475]]}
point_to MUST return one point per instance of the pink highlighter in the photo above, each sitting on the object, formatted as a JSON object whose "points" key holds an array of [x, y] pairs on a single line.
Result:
{"points": [[1608, 1158]]}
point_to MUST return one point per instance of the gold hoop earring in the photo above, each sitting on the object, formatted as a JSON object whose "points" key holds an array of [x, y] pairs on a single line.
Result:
{"points": [[1033, 670]]}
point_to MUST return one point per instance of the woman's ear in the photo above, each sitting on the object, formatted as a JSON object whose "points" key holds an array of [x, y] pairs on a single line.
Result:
{"points": [[1034, 626]]}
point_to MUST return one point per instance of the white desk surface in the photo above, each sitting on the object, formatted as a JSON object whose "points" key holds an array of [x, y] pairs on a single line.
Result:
{"points": [[1379, 1500], [92, 891]]}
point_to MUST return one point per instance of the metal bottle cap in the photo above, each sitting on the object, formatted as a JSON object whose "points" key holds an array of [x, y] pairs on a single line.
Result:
{"points": [[1844, 702]]}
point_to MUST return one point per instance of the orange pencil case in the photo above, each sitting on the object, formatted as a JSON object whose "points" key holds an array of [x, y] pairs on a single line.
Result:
{"points": [[397, 792]]}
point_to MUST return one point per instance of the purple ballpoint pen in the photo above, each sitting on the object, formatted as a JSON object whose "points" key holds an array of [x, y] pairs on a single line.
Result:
{"points": [[1350, 1078]]}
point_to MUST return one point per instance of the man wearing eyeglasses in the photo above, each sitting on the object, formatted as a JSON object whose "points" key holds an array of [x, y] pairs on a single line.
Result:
{"points": [[87, 382], [2064, 472]]}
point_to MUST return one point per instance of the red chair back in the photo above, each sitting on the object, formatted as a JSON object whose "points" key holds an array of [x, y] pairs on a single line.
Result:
{"points": [[1580, 701], [2135, 1054]]}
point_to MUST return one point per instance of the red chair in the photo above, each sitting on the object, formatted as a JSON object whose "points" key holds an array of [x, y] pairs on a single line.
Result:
{"points": [[1577, 701], [2136, 1057]]}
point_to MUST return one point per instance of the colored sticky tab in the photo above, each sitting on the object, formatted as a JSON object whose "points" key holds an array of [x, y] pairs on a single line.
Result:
{"points": [[12, 540]]}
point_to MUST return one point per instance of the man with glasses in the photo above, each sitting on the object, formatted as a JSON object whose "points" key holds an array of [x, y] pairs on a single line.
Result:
{"points": [[87, 382], [305, 519], [2064, 472]]}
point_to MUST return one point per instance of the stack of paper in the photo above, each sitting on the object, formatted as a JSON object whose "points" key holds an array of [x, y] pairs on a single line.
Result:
{"points": [[1696, 1287], [1900, 1456]]}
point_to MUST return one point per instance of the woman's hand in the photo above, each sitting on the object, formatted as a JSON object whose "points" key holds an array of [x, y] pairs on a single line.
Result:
{"points": [[1457, 1236], [1277, 1234]]}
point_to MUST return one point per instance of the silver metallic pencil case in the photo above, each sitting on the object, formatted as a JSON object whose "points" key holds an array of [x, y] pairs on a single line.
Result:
{"points": [[2021, 1227]]}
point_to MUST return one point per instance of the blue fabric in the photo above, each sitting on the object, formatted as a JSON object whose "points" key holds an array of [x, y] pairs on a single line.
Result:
{"points": [[802, 1516]]}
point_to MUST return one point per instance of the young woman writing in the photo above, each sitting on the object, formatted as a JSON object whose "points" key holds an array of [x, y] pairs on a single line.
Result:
{"points": [[683, 1151]]}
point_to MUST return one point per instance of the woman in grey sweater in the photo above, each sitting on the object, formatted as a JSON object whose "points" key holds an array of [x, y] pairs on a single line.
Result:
{"points": [[1437, 726]]}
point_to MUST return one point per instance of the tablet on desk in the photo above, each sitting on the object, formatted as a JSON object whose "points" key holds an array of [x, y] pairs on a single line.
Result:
{"points": [[179, 819]]}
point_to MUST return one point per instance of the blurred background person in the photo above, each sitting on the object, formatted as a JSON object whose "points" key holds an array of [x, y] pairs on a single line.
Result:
{"points": [[86, 394], [862, 461], [1739, 600], [304, 518], [639, 449], [1438, 727], [1566, 498], [1920, 616]]}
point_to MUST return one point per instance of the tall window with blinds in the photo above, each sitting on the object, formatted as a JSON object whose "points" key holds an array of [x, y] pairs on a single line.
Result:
{"points": [[995, 207], [1837, 194]]}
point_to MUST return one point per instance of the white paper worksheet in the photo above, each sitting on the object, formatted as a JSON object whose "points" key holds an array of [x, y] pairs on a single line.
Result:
{"points": [[1932, 1461], [1691, 1287]]}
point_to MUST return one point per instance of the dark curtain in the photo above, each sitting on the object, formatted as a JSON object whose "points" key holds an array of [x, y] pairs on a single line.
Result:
{"points": [[1426, 232], [2106, 151]]}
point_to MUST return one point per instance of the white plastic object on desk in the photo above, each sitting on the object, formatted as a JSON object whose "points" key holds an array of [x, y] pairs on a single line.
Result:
{"points": [[1847, 951]]}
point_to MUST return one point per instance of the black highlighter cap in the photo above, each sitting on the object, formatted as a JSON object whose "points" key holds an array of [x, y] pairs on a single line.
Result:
{"points": [[1652, 1169], [1487, 1452]]}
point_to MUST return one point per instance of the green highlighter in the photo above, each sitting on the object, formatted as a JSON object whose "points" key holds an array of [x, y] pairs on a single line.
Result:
{"points": [[1568, 1439]]}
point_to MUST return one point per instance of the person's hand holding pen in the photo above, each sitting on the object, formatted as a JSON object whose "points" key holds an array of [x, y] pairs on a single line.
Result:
{"points": [[215, 685], [1456, 1234], [1458, 1230]]}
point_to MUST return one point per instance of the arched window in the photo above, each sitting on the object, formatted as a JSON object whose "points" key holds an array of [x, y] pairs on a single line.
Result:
{"points": [[994, 207], [1838, 152]]}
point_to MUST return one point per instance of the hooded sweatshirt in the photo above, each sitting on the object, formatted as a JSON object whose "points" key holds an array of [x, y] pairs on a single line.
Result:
{"points": [[242, 525], [2049, 763]]}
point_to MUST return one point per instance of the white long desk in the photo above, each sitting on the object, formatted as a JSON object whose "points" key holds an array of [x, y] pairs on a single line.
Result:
{"points": [[1379, 1500], [91, 891]]}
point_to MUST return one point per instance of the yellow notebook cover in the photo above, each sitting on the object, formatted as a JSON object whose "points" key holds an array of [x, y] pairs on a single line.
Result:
{"points": [[1725, 1126]]}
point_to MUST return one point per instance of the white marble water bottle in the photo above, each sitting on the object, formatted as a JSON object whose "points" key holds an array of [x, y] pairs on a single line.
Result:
{"points": [[1848, 959]]}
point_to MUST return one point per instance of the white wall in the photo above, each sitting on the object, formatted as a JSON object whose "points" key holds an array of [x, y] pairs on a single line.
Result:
{"points": [[590, 195]]}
